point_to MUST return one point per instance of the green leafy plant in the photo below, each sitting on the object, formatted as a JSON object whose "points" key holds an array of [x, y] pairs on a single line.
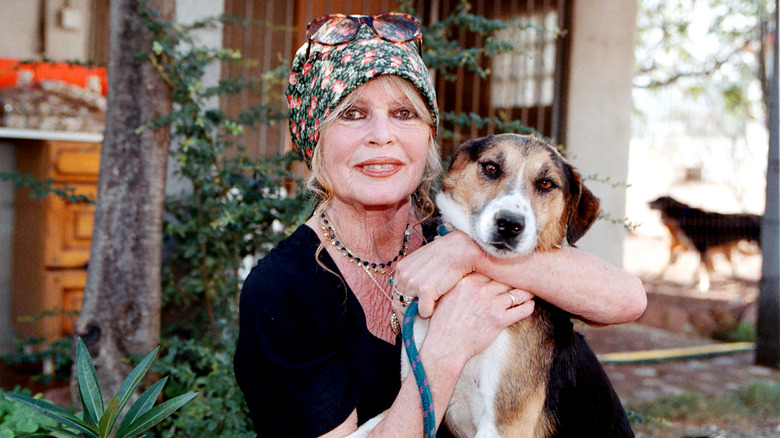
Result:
{"points": [[33, 351], [17, 420], [98, 420], [744, 332], [201, 365], [42, 188]]}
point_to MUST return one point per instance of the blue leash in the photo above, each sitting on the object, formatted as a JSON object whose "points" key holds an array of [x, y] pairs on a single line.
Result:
{"points": [[407, 331]]}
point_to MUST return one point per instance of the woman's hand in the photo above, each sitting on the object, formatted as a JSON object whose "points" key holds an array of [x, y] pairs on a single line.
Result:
{"points": [[470, 317], [436, 268]]}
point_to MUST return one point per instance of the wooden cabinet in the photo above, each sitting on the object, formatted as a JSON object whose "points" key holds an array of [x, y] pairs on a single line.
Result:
{"points": [[52, 237]]}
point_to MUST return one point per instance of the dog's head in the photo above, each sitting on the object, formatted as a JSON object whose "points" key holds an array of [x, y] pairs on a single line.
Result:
{"points": [[667, 203], [514, 194]]}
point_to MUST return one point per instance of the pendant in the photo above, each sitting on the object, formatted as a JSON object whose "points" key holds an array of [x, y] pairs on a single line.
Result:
{"points": [[395, 326]]}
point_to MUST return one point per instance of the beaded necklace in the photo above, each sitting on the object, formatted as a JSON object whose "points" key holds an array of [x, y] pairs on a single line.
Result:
{"points": [[332, 237]]}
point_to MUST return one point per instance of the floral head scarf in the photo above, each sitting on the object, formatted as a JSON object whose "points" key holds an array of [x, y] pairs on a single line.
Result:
{"points": [[318, 84]]}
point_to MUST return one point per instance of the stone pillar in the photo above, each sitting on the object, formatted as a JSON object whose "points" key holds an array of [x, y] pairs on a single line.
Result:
{"points": [[599, 110]]}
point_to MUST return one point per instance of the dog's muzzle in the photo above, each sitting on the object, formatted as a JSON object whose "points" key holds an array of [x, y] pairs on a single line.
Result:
{"points": [[506, 225], [509, 226]]}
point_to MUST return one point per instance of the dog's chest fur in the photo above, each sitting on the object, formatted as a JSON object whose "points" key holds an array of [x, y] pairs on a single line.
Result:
{"points": [[501, 392]]}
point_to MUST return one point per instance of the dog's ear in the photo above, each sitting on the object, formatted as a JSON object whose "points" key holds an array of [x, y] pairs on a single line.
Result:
{"points": [[466, 153], [585, 209]]}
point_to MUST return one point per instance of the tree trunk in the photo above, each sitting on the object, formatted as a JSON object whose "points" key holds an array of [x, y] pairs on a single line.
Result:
{"points": [[768, 324], [121, 310]]}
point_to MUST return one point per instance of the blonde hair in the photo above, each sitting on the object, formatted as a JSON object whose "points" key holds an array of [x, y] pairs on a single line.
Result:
{"points": [[317, 182]]}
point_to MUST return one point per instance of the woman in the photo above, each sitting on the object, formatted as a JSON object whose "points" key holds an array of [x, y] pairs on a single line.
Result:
{"points": [[319, 351]]}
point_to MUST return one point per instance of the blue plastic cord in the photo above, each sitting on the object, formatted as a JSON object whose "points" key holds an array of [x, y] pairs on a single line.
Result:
{"points": [[407, 331]]}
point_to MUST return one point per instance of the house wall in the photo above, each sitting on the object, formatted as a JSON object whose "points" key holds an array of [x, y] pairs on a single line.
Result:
{"points": [[31, 29], [599, 110], [21, 23], [35, 28]]}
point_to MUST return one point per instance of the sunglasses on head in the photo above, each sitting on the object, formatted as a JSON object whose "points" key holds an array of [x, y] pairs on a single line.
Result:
{"points": [[337, 29]]}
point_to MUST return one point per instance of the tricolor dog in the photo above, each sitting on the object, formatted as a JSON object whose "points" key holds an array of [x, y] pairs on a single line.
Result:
{"points": [[515, 194]]}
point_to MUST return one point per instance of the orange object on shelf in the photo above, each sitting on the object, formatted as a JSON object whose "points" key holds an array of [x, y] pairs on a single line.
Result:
{"points": [[78, 75]]}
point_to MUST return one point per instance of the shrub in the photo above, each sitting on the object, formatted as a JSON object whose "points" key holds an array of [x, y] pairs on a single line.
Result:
{"points": [[18, 420], [98, 420]]}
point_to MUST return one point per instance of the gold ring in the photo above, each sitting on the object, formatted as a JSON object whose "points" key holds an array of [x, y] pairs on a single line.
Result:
{"points": [[514, 302], [395, 326]]}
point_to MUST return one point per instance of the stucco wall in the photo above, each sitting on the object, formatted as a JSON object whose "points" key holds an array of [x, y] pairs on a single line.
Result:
{"points": [[599, 110], [24, 37], [20, 24]]}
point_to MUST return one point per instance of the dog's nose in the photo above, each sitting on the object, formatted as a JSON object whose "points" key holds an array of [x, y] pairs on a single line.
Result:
{"points": [[509, 225]]}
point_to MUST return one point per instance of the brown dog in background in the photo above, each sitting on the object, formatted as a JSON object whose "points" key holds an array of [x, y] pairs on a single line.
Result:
{"points": [[708, 233]]}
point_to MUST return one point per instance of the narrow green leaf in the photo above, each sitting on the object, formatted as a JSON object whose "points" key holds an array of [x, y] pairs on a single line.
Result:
{"points": [[142, 405], [134, 378], [108, 418], [61, 431], [156, 415], [54, 412], [87, 417], [89, 388]]}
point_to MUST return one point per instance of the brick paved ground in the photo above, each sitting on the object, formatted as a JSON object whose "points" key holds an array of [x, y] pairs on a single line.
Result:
{"points": [[646, 382]]}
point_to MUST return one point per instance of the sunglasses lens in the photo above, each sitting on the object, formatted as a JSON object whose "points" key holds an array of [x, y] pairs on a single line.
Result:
{"points": [[398, 28], [332, 30]]}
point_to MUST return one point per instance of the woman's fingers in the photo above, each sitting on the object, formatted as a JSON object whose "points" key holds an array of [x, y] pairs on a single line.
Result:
{"points": [[519, 312], [435, 269], [517, 297]]}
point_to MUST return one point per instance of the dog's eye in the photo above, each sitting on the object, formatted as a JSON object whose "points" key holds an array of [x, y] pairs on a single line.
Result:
{"points": [[491, 169], [545, 185]]}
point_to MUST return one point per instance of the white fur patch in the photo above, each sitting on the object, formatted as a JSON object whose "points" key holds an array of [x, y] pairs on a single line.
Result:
{"points": [[454, 215]]}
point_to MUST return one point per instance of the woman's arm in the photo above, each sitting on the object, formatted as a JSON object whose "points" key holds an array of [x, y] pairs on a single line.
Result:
{"points": [[571, 279]]}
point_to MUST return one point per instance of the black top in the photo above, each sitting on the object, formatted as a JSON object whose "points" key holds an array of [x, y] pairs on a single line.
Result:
{"points": [[305, 358]]}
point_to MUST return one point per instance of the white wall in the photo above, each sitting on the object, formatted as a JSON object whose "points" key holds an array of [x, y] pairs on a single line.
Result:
{"points": [[189, 11], [23, 37], [20, 23], [599, 110]]}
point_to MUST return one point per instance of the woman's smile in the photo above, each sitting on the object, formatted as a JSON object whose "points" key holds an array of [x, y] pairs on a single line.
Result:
{"points": [[381, 167]]}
